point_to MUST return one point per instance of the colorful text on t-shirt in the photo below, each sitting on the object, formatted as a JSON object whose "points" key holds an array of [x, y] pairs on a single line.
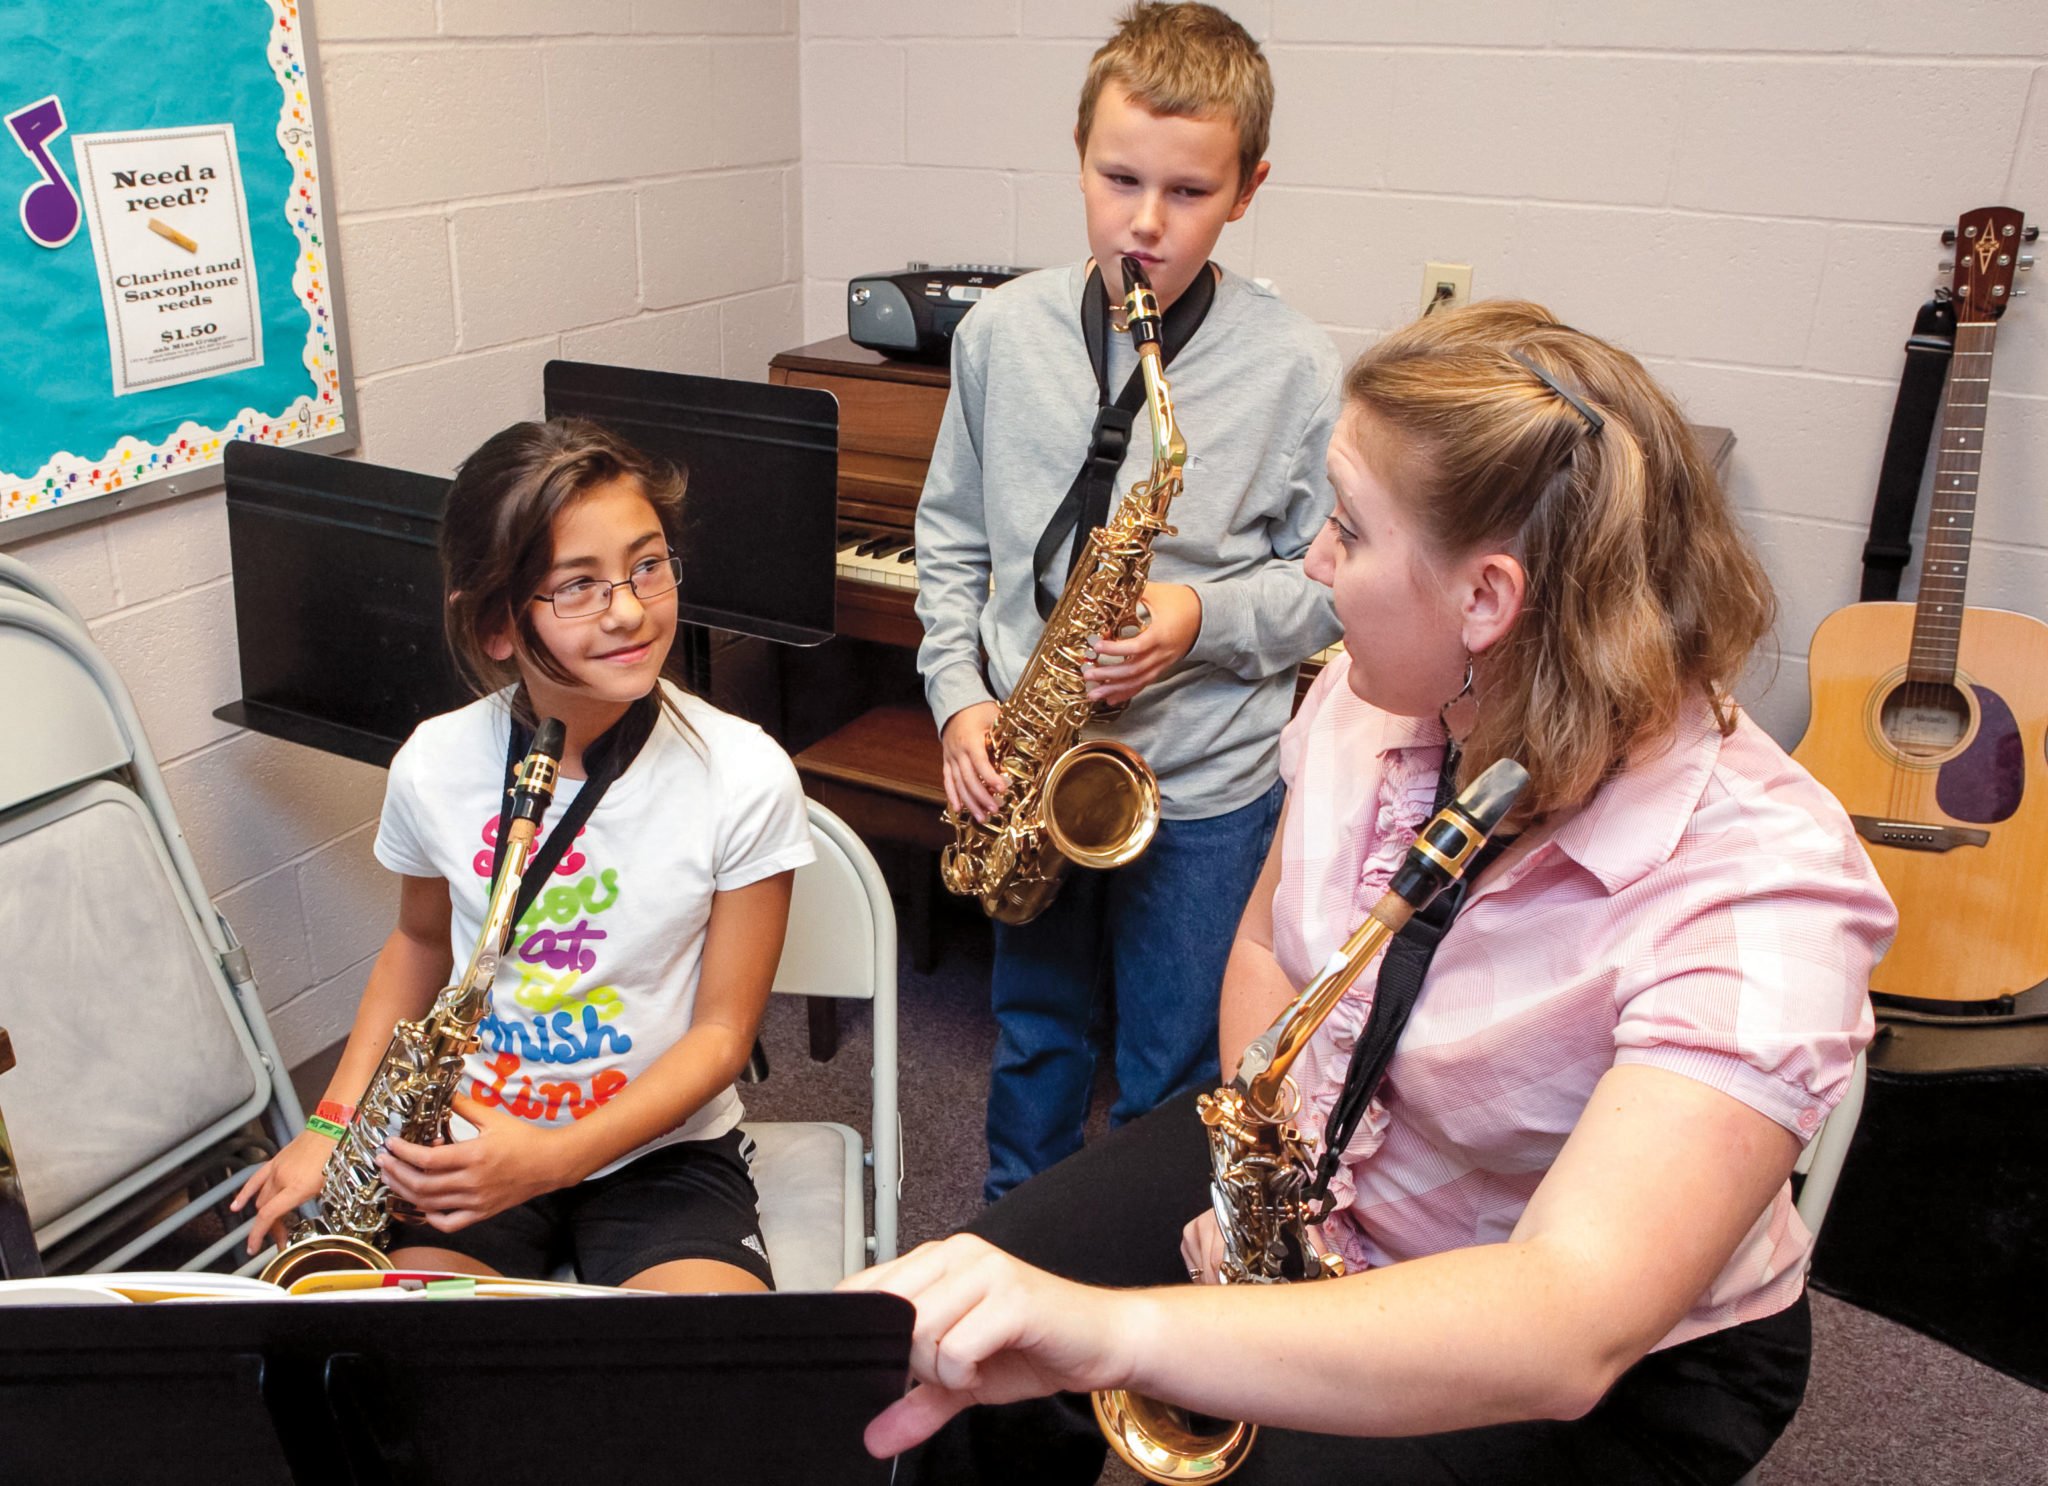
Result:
{"points": [[565, 1014]]}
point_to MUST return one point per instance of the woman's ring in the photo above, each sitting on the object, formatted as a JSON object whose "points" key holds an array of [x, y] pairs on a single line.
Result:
{"points": [[1195, 1275]]}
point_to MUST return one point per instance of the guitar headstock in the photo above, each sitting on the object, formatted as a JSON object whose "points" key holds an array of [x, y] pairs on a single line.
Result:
{"points": [[1987, 243]]}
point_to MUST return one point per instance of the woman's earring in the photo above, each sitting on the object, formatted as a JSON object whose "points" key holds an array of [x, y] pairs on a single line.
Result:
{"points": [[1443, 713]]}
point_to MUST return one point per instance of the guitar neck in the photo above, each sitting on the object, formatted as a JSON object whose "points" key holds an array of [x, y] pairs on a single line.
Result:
{"points": [[1952, 510]]}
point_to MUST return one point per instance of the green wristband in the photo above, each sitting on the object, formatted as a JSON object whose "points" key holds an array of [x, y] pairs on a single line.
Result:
{"points": [[326, 1127]]}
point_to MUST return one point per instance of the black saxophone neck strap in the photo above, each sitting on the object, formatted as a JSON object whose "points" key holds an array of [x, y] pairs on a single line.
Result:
{"points": [[608, 756], [1086, 503], [1400, 987]]}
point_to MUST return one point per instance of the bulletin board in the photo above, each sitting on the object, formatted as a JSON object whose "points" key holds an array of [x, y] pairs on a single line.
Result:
{"points": [[167, 273]]}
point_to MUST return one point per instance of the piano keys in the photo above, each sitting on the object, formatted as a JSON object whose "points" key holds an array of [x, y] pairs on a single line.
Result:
{"points": [[883, 558]]}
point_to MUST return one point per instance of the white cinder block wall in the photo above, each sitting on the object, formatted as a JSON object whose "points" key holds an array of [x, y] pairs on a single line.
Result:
{"points": [[1744, 193], [608, 180], [1747, 194]]}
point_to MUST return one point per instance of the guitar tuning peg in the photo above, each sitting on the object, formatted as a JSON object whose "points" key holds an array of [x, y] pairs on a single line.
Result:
{"points": [[1945, 266], [2026, 261], [1948, 237], [2030, 235]]}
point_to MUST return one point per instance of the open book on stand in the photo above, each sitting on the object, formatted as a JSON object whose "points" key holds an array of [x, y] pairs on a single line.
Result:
{"points": [[179, 1285]]}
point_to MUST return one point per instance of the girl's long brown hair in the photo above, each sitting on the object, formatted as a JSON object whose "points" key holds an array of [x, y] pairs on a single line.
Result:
{"points": [[498, 536], [1642, 591]]}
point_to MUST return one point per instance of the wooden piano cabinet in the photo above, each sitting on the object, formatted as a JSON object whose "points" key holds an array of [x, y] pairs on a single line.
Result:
{"points": [[888, 420]]}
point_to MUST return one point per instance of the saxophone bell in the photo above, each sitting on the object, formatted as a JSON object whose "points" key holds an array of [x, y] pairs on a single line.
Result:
{"points": [[1164, 1442], [1102, 804], [314, 1252]]}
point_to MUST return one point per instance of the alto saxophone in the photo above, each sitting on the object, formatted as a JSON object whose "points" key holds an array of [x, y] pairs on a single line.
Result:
{"points": [[1094, 803], [414, 1086], [1261, 1169]]}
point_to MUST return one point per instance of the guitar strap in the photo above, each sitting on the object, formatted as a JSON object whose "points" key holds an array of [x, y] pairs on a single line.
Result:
{"points": [[1890, 546], [1086, 503]]}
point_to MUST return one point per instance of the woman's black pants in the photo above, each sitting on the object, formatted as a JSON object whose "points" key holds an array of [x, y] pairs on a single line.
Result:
{"points": [[1700, 1413]]}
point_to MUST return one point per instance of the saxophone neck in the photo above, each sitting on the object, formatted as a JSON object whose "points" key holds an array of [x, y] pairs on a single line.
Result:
{"points": [[1447, 844], [1147, 323], [1262, 1070], [533, 790], [1169, 449], [475, 981]]}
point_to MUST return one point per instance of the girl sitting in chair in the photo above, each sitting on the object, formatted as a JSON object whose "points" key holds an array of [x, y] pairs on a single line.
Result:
{"points": [[605, 1122]]}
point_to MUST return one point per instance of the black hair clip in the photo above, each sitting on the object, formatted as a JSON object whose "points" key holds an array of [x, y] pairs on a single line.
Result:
{"points": [[1594, 422]]}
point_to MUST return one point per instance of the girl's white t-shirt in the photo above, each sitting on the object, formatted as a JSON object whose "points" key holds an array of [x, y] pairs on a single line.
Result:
{"points": [[600, 978]]}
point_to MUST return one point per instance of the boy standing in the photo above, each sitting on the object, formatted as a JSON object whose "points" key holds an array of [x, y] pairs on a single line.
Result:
{"points": [[1173, 124]]}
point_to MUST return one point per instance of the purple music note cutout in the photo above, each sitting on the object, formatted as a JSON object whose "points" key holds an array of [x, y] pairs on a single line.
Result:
{"points": [[49, 209]]}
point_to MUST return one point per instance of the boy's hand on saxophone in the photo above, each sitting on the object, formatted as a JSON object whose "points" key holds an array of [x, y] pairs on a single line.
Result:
{"points": [[1130, 665], [973, 782]]}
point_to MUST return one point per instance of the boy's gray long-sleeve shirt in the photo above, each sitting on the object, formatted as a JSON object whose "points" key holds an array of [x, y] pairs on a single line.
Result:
{"points": [[1256, 393]]}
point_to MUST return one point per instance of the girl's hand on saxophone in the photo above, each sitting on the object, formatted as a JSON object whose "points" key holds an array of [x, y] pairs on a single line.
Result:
{"points": [[992, 1329], [281, 1184], [973, 782], [1135, 663], [461, 1182]]}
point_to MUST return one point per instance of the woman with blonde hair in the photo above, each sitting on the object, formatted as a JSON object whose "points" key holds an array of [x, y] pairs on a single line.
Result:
{"points": [[1566, 1213]]}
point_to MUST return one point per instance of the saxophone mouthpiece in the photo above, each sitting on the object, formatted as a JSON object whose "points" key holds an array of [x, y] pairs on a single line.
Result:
{"points": [[550, 737], [536, 784], [1488, 799], [1141, 305], [1455, 833]]}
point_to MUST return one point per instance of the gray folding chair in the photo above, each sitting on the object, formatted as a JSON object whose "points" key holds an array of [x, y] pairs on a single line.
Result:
{"points": [[147, 1081], [1820, 1166], [811, 1175], [25, 580]]}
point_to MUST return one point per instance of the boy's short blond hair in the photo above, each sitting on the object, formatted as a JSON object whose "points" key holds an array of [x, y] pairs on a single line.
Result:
{"points": [[1187, 61]]}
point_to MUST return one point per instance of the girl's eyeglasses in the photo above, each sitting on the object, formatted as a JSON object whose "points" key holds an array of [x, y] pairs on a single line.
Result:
{"points": [[582, 598]]}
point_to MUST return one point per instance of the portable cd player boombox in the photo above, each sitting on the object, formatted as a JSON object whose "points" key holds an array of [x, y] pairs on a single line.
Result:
{"points": [[913, 313]]}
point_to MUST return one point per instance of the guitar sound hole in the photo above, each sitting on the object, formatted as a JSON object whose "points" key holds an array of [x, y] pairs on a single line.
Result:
{"points": [[1925, 719]]}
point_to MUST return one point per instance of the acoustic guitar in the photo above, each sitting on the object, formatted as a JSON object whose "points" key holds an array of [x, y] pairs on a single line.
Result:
{"points": [[1929, 718]]}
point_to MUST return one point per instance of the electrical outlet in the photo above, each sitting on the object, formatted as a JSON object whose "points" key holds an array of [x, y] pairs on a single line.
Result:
{"points": [[1437, 277]]}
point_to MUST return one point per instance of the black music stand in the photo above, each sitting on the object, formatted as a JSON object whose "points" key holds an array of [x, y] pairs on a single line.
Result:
{"points": [[727, 1388], [338, 583], [761, 514], [337, 600]]}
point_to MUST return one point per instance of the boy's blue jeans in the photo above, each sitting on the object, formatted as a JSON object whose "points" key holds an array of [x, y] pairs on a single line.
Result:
{"points": [[1159, 930]]}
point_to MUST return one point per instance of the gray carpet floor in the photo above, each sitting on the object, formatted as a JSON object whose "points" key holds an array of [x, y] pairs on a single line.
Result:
{"points": [[1885, 1404]]}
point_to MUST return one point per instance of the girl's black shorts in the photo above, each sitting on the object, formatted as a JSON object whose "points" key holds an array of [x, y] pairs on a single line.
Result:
{"points": [[694, 1199]]}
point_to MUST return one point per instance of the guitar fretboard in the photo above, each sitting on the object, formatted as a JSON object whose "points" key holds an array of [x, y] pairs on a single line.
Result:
{"points": [[1952, 509]]}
